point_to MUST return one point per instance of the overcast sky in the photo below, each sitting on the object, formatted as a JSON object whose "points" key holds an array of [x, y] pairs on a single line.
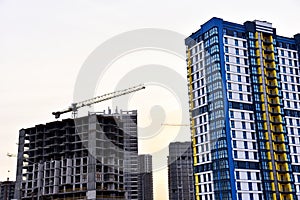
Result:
{"points": [[43, 45]]}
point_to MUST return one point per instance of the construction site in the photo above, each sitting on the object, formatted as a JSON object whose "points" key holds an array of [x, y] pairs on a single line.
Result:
{"points": [[89, 157]]}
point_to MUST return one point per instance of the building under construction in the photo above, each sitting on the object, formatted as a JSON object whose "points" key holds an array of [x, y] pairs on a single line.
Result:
{"points": [[180, 171], [92, 157], [7, 190], [145, 177]]}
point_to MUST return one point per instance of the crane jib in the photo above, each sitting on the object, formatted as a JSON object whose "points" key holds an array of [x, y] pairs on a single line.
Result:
{"points": [[74, 106]]}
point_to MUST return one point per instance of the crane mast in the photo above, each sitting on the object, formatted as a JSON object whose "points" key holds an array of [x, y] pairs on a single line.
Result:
{"points": [[75, 106]]}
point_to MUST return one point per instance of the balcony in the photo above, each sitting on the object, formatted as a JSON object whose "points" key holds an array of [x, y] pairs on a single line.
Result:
{"points": [[280, 151], [286, 191], [284, 181], [272, 94], [271, 77], [267, 42], [276, 122], [268, 50], [269, 68], [278, 132], [275, 113], [283, 171], [269, 59], [272, 86], [280, 142]]}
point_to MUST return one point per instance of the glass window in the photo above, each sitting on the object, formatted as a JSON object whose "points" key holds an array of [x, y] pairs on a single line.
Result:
{"points": [[238, 184], [226, 40], [291, 131], [231, 114], [286, 86], [237, 51], [238, 60], [240, 87], [251, 116], [227, 58], [228, 76], [238, 69], [251, 194], [236, 42], [244, 134], [246, 70], [251, 124], [239, 78], [233, 133], [246, 155], [228, 67], [249, 175], [234, 143], [243, 125], [240, 196], [229, 86], [255, 155], [238, 175], [253, 136], [251, 35], [250, 186]]}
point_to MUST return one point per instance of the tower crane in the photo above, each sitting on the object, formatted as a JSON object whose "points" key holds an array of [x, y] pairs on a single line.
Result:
{"points": [[175, 124], [75, 106]]}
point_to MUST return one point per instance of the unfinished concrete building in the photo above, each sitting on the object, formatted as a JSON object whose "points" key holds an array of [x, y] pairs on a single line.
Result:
{"points": [[145, 177], [89, 158], [7, 189]]}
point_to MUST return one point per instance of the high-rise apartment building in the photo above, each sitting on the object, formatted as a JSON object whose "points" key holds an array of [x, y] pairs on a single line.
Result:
{"points": [[7, 189], [79, 159], [145, 177], [244, 92], [180, 171]]}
